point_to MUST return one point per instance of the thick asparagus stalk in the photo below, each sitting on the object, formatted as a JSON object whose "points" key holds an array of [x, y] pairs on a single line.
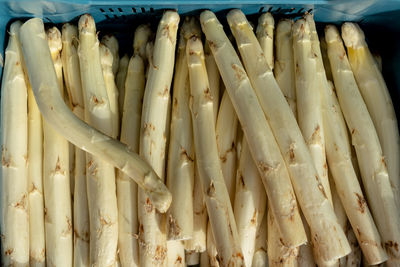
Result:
{"points": [[106, 60], [349, 190], [152, 225], [365, 139], [180, 171], [377, 99], [176, 253], [111, 42], [284, 62], [212, 181], [262, 144], [260, 257], [249, 205], [265, 36], [213, 78], [72, 75], [14, 150], [120, 81]]}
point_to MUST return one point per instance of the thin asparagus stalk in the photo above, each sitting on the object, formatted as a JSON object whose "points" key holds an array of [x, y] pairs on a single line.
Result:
{"points": [[262, 144], [249, 205], [120, 81], [73, 84], [377, 99], [212, 181], [127, 194], [192, 258], [265, 36], [57, 195], [226, 130], [365, 139], [211, 248], [176, 253], [144, 34], [14, 147], [260, 257], [153, 138], [213, 78], [349, 190], [284, 62], [111, 42], [106, 60], [180, 171]]}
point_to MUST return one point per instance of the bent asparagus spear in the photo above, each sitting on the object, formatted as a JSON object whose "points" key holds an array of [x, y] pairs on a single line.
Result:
{"points": [[212, 181], [14, 150], [262, 144], [54, 110]]}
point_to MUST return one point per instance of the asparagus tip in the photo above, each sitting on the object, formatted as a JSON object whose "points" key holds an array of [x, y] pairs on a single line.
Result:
{"points": [[301, 30], [352, 35], [86, 24], [266, 19], [54, 39], [331, 34], [236, 17]]}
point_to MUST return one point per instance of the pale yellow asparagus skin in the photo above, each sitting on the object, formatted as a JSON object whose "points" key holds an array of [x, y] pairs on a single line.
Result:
{"points": [[14, 150], [120, 82], [249, 204], [211, 248], [213, 78], [284, 62], [265, 36], [262, 144], [144, 35], [366, 142], [111, 42], [192, 258], [72, 77], [153, 138], [127, 189], [176, 253], [211, 178], [349, 190], [106, 59], [101, 190], [311, 194], [180, 171], [260, 257]]}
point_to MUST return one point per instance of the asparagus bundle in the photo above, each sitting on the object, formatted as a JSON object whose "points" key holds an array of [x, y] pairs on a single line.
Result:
{"points": [[120, 79], [261, 141], [265, 36], [14, 148], [214, 189], [153, 137], [365, 139], [73, 84]]}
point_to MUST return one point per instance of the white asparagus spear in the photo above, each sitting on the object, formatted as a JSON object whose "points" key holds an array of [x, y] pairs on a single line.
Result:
{"points": [[225, 131], [365, 139], [265, 36], [126, 188], [14, 150], [325, 59], [212, 181], [213, 78], [175, 253], [144, 34], [211, 248], [262, 144], [111, 42], [249, 204], [106, 60], [284, 65], [180, 171], [101, 191], [192, 258], [260, 257], [377, 99], [120, 81], [153, 138], [349, 190], [73, 84]]}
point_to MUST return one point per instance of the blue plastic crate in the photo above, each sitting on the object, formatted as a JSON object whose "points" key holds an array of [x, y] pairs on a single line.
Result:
{"points": [[378, 18]]}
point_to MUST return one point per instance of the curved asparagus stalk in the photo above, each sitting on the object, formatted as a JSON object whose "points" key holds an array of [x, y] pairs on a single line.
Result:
{"points": [[176, 253], [284, 62], [111, 42], [127, 194], [260, 257], [180, 171], [106, 60], [249, 205], [143, 33], [213, 78], [211, 248], [225, 131], [377, 99], [120, 81], [365, 140], [212, 181], [73, 84], [192, 258], [262, 144], [349, 190], [14, 147], [153, 138], [265, 36]]}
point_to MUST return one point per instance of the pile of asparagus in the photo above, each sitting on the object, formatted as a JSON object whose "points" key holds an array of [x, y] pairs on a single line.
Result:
{"points": [[273, 147]]}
